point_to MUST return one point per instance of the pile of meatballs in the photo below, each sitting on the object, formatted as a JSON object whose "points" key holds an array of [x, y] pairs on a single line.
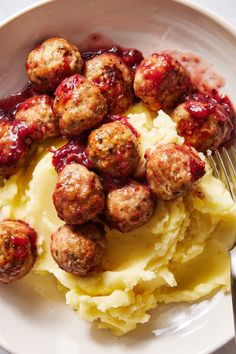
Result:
{"points": [[82, 100]]}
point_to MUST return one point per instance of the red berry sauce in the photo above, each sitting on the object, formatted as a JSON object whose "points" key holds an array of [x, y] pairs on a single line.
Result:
{"points": [[20, 243], [9, 105], [197, 168], [72, 152], [111, 183], [131, 57], [69, 84], [17, 147], [201, 106], [195, 164], [30, 102], [154, 73]]}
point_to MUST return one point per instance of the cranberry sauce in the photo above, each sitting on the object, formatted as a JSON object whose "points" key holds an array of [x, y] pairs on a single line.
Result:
{"points": [[111, 183], [122, 119], [200, 106], [69, 84], [131, 57], [20, 243], [195, 164], [13, 147], [9, 105], [72, 152], [157, 76], [225, 102], [75, 152], [97, 43]]}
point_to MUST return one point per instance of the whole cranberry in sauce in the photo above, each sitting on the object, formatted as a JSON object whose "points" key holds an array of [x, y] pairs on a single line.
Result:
{"points": [[173, 170]]}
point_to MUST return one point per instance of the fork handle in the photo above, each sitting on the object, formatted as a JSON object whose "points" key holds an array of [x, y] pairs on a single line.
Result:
{"points": [[233, 289]]}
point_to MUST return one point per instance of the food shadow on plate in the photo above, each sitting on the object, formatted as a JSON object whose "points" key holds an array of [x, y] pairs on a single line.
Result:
{"points": [[166, 319], [30, 295]]}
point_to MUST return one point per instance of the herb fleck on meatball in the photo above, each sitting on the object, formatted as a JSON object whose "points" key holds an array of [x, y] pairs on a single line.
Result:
{"points": [[161, 81], [51, 62], [114, 79], [79, 105], [173, 170], [78, 195], [113, 149], [129, 207], [79, 250], [38, 115]]}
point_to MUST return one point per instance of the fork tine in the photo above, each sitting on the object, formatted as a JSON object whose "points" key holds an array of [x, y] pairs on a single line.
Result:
{"points": [[213, 166], [224, 161], [233, 155], [229, 156]]}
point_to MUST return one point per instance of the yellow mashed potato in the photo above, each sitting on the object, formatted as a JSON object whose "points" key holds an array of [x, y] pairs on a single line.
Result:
{"points": [[181, 254]]}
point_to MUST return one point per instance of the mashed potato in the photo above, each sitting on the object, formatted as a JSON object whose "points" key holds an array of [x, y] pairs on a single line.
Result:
{"points": [[179, 255]]}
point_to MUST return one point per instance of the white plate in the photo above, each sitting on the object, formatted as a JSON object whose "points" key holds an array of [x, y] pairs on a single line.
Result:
{"points": [[33, 324]]}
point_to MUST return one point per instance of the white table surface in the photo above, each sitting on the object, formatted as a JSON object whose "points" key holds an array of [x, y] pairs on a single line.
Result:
{"points": [[224, 8]]}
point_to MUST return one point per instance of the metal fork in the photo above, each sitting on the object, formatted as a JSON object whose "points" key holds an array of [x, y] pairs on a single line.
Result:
{"points": [[223, 163]]}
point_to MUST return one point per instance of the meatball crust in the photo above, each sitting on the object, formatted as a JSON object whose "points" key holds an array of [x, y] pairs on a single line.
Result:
{"points": [[13, 150], [172, 170], [38, 115], [114, 79], [77, 249], [79, 105], [78, 195], [51, 62], [113, 149], [160, 81], [129, 207], [17, 250], [203, 122]]}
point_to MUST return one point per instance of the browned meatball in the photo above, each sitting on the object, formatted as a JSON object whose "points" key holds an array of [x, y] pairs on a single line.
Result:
{"points": [[79, 105], [173, 169], [78, 195], [51, 62], [129, 207], [77, 249], [38, 115], [114, 149], [17, 250], [114, 79], [203, 122], [160, 81], [13, 150]]}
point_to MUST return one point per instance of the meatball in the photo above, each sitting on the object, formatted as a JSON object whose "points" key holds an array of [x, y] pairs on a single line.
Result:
{"points": [[79, 105], [77, 249], [129, 207], [13, 149], [160, 81], [51, 62], [17, 250], [114, 79], [172, 170], [113, 149], [38, 115], [203, 122], [78, 195]]}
